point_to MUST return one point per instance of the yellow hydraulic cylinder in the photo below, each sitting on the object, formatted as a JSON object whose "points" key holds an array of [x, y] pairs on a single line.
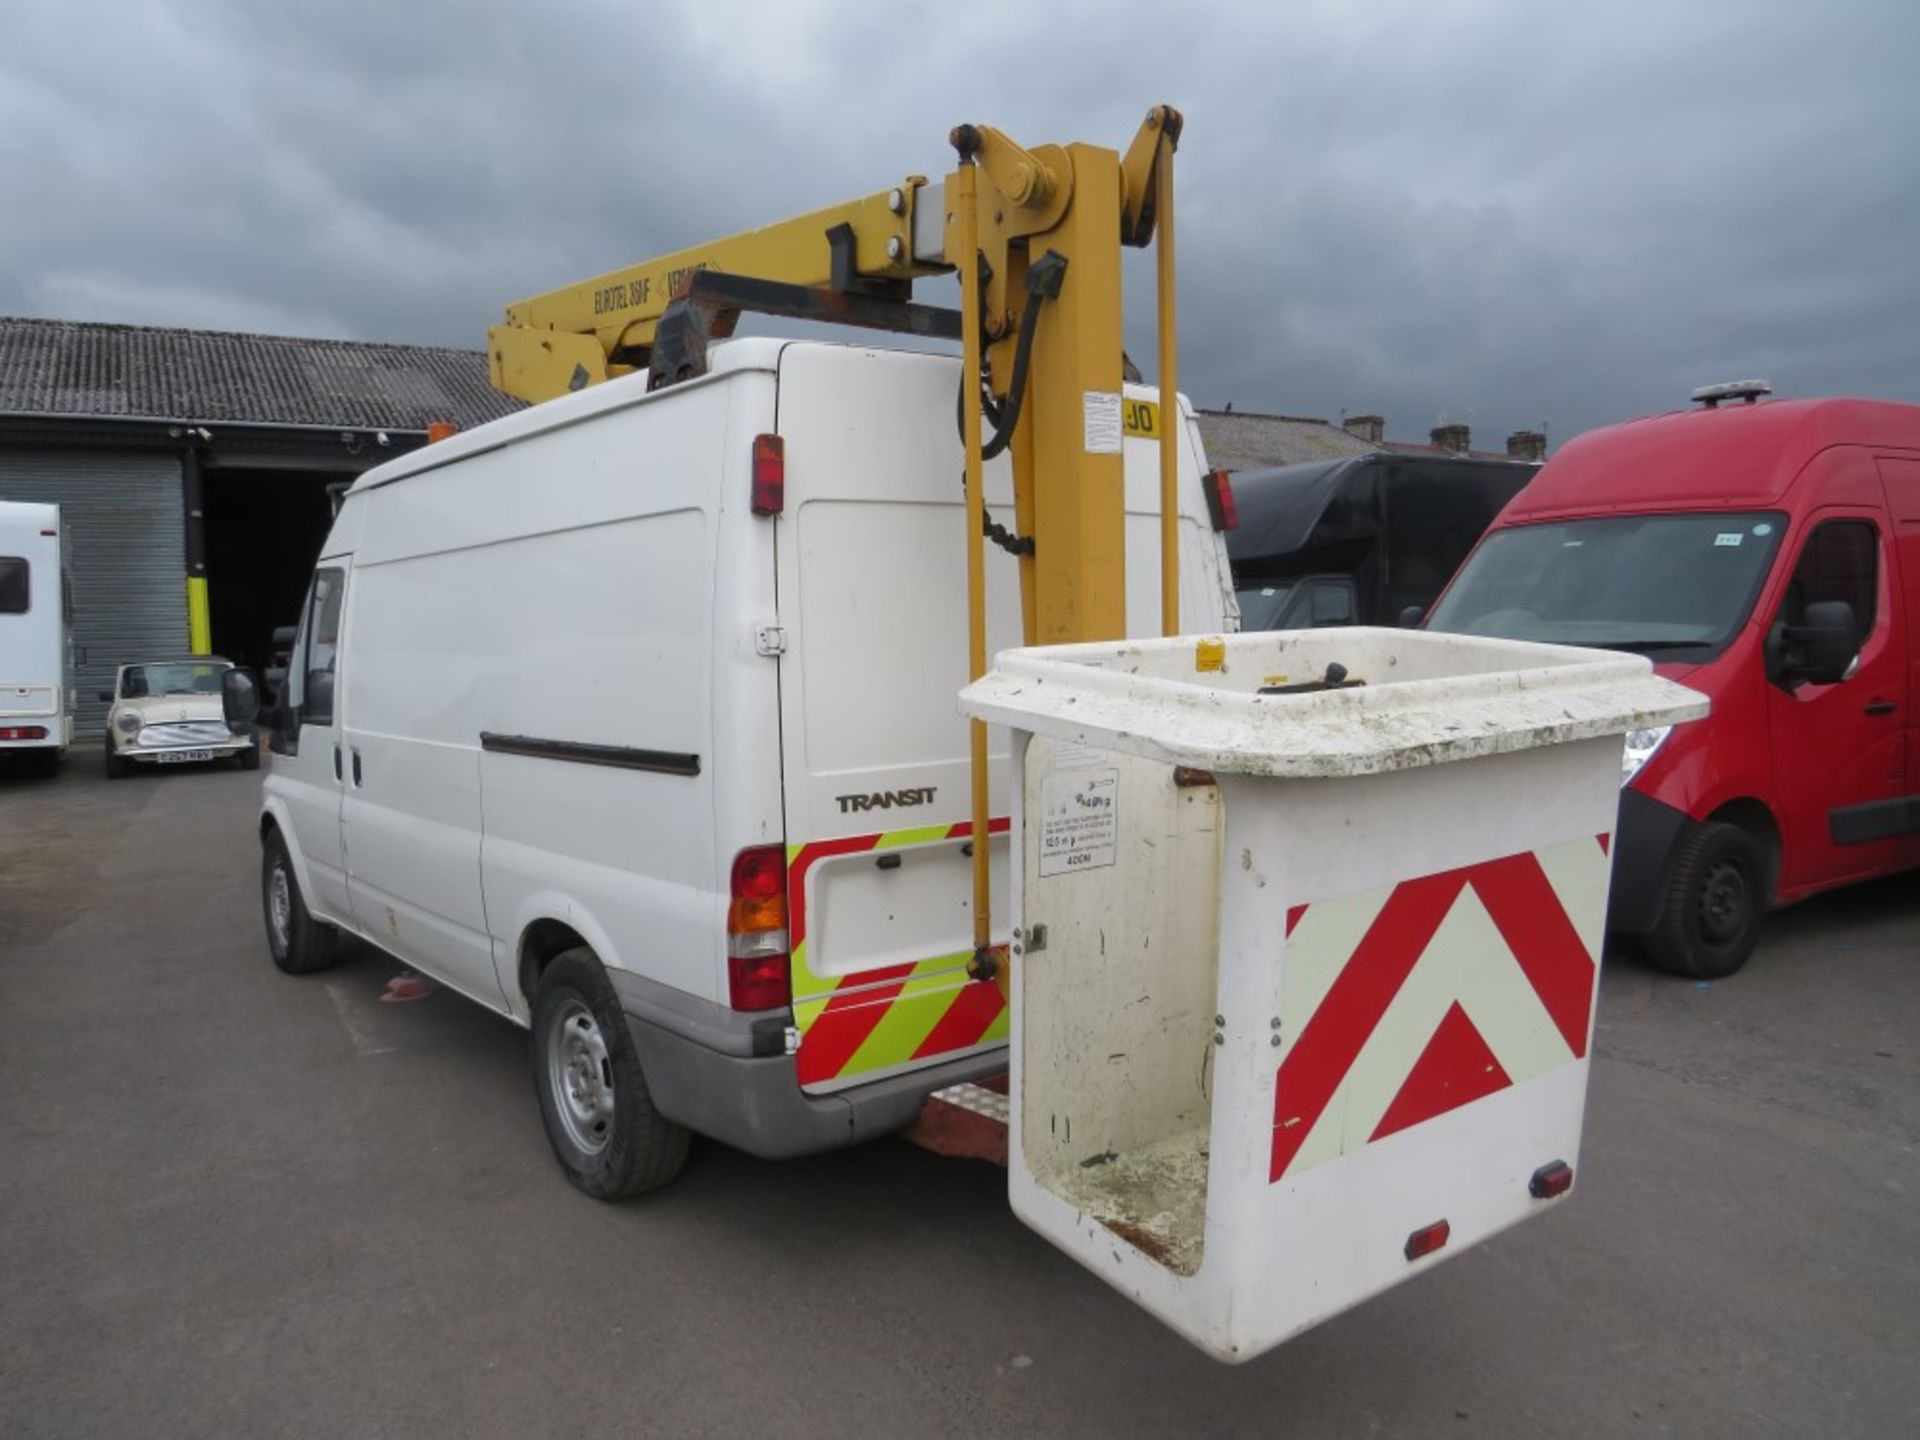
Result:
{"points": [[966, 228], [1170, 419]]}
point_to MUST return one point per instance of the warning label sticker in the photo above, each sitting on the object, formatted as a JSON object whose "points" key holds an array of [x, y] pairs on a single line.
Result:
{"points": [[1079, 820], [1103, 423]]}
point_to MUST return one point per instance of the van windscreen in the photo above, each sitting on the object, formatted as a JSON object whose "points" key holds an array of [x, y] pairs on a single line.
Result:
{"points": [[1262, 602], [1643, 583]]}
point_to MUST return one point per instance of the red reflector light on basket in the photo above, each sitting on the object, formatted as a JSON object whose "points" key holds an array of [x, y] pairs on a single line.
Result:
{"points": [[769, 474], [23, 732], [1554, 1178], [757, 974], [1221, 508], [1427, 1239]]}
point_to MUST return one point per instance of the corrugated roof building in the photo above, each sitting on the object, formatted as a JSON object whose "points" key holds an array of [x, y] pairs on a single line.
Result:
{"points": [[194, 468], [64, 367]]}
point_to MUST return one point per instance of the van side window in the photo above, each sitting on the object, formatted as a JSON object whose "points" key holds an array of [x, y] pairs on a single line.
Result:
{"points": [[1332, 602], [13, 585], [1840, 561], [322, 642]]}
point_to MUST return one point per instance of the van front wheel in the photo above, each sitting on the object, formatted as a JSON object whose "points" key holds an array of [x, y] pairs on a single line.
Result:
{"points": [[1716, 900], [298, 943], [594, 1100]]}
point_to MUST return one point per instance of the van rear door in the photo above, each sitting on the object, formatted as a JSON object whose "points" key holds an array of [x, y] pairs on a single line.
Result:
{"points": [[871, 566]]}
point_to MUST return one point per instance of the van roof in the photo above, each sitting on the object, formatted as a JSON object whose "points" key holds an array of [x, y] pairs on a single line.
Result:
{"points": [[1733, 457], [758, 352]]}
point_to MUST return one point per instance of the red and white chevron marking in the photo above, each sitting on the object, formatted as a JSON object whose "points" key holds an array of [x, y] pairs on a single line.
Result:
{"points": [[1402, 1003]]}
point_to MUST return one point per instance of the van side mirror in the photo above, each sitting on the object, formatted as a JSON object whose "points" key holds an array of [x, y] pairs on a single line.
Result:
{"points": [[239, 697], [1821, 648], [1411, 617]]}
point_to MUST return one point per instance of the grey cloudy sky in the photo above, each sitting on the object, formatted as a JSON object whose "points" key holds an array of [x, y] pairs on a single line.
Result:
{"points": [[1490, 210]]}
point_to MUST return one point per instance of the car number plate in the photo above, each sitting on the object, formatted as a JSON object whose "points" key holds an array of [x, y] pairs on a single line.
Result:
{"points": [[181, 757]]}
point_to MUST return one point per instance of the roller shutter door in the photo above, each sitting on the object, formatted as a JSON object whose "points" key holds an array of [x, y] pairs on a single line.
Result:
{"points": [[126, 543]]}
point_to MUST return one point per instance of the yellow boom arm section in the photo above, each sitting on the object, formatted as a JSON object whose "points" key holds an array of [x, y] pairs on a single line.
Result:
{"points": [[582, 334]]}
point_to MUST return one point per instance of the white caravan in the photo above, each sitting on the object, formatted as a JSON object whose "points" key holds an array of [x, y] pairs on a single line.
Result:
{"points": [[36, 691], [632, 717]]}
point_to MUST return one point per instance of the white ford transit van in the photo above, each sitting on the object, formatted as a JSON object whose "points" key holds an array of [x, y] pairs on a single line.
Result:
{"points": [[632, 717]]}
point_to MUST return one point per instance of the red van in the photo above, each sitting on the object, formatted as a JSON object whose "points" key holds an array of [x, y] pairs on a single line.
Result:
{"points": [[1768, 555]]}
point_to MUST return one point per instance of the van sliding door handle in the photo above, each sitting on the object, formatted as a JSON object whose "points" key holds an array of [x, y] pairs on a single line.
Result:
{"points": [[356, 768], [336, 762], [1880, 707]]}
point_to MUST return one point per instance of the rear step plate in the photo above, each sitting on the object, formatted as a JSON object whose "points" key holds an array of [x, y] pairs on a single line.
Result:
{"points": [[968, 1122]]}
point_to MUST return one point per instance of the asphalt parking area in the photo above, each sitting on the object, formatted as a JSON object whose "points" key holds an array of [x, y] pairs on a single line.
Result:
{"points": [[232, 1202]]}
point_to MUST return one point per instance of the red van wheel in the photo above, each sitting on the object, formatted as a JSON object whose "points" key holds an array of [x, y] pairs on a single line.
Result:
{"points": [[1716, 901]]}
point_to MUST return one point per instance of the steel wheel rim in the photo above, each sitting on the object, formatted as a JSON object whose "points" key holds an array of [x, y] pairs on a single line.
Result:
{"points": [[1724, 896], [280, 905], [580, 1076]]}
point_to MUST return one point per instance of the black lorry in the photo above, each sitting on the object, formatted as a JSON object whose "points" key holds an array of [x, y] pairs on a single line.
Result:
{"points": [[1358, 541]]}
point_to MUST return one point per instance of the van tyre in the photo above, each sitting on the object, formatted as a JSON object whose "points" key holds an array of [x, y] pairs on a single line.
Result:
{"points": [[298, 943], [594, 1100], [1716, 901]]}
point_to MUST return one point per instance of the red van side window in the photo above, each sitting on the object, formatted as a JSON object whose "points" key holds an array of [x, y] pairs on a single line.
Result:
{"points": [[1840, 561]]}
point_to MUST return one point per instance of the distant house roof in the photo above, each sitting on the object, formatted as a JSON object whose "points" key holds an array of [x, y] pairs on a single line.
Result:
{"points": [[1414, 447], [1247, 440], [61, 367]]}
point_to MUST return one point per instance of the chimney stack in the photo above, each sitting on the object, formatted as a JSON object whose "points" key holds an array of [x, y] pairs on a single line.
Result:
{"points": [[1457, 438], [1527, 445], [1370, 428]]}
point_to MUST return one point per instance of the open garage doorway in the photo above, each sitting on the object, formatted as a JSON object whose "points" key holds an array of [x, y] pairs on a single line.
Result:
{"points": [[264, 529]]}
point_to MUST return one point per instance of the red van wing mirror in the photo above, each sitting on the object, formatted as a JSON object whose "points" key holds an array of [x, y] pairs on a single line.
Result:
{"points": [[1821, 648]]}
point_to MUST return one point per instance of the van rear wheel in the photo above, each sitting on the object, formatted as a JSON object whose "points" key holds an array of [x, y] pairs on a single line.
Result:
{"points": [[1716, 901], [610, 1141]]}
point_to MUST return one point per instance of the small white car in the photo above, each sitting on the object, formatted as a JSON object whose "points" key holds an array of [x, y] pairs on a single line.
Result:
{"points": [[168, 712]]}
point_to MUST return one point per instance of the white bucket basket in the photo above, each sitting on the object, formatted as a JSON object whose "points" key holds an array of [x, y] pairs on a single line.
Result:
{"points": [[1304, 982]]}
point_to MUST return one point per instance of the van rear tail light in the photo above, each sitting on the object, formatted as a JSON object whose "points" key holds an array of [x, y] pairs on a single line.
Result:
{"points": [[23, 732], [1220, 503], [1427, 1239], [757, 972], [758, 983], [1555, 1178], [769, 474]]}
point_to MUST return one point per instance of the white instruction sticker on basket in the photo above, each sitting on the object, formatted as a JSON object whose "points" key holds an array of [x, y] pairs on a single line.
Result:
{"points": [[1079, 820]]}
